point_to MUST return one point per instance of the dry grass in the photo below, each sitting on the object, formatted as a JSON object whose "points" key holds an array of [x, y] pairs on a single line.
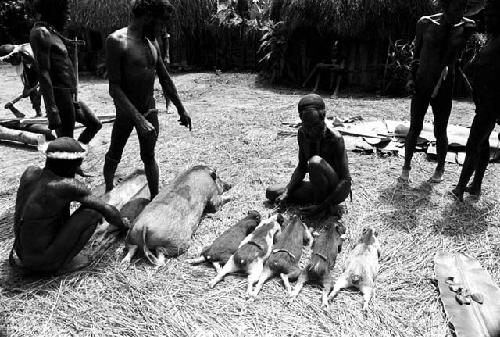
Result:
{"points": [[235, 127]]}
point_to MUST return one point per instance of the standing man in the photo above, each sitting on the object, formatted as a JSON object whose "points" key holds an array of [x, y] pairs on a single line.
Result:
{"points": [[439, 39], [322, 154], [485, 68], [57, 75], [21, 56], [133, 60]]}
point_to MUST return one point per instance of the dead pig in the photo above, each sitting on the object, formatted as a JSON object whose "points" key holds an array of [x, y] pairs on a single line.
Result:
{"points": [[166, 224], [226, 245]]}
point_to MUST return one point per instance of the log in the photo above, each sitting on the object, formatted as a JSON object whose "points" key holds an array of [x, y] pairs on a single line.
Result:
{"points": [[19, 136]]}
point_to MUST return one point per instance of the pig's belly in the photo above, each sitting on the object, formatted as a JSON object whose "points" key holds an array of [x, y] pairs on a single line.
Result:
{"points": [[167, 226]]}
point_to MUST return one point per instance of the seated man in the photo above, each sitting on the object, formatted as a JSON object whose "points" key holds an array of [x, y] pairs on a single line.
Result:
{"points": [[321, 153], [21, 56], [47, 237]]}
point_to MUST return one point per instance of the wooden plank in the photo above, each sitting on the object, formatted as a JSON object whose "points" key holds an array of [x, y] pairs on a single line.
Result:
{"points": [[20, 136]]}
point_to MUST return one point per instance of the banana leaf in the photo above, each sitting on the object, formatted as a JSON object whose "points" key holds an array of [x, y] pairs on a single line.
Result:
{"points": [[474, 319]]}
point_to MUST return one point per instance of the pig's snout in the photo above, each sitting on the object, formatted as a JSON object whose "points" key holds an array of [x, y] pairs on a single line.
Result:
{"points": [[222, 186]]}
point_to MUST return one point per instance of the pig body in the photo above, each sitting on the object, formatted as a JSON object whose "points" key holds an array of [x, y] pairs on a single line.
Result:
{"points": [[362, 268], [166, 224], [325, 250], [227, 244], [286, 254]]}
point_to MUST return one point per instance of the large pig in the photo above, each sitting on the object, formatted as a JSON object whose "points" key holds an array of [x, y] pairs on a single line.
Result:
{"points": [[167, 223]]}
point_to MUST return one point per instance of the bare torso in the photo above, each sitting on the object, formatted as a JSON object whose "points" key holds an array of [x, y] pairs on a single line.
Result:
{"points": [[138, 58], [438, 45], [42, 206], [61, 70], [486, 74]]}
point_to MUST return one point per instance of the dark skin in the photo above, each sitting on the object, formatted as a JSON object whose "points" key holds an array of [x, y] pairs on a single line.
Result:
{"points": [[48, 47], [439, 39], [133, 62], [47, 237], [485, 68], [330, 180]]}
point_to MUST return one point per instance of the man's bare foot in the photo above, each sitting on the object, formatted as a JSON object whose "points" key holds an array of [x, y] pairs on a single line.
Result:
{"points": [[437, 177], [405, 175], [457, 193], [473, 190], [79, 262]]}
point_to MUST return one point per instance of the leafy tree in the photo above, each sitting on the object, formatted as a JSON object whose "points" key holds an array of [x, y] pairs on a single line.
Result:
{"points": [[15, 23]]}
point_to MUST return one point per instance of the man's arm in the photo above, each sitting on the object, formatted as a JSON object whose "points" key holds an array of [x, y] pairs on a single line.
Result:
{"points": [[301, 169], [341, 192], [169, 89], [40, 43], [110, 213], [114, 66]]}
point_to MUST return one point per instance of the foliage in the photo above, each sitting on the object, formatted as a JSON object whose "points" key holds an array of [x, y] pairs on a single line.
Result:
{"points": [[273, 51], [15, 24], [397, 68]]}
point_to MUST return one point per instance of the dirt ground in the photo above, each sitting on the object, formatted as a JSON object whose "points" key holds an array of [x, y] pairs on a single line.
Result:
{"points": [[235, 126]]}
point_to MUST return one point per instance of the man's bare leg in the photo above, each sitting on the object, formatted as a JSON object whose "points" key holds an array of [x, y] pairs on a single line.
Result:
{"points": [[441, 107], [153, 177], [419, 105]]}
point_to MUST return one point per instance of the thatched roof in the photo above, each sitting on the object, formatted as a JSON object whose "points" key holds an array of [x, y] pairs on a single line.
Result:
{"points": [[107, 15], [353, 18]]}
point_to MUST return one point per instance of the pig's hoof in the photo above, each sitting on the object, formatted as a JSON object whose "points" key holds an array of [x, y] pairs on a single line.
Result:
{"points": [[211, 284]]}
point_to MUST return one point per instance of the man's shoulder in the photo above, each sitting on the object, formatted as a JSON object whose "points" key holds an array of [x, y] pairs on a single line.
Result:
{"points": [[468, 23], [118, 35], [31, 173], [40, 33], [335, 137], [429, 19]]}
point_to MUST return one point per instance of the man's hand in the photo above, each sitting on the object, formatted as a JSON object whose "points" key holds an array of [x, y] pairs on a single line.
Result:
{"points": [[316, 211], [53, 118], [410, 87], [145, 129], [184, 118], [282, 198]]}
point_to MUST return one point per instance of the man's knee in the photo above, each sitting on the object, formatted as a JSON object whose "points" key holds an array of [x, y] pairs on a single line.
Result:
{"points": [[314, 161], [148, 158], [440, 131]]}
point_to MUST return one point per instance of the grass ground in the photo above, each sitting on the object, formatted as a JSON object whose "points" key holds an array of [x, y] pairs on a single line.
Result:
{"points": [[235, 125]]}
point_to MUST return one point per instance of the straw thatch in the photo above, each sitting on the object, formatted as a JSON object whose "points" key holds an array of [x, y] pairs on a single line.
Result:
{"points": [[352, 18], [107, 15]]}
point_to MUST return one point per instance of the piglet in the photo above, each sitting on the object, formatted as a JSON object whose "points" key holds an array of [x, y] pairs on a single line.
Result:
{"points": [[252, 252], [362, 268], [325, 250], [227, 244], [286, 254]]}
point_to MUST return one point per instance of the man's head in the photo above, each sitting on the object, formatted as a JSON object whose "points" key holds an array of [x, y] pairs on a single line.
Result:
{"points": [[7, 54], [453, 9], [312, 113], [154, 13], [492, 17], [54, 12], [64, 156]]}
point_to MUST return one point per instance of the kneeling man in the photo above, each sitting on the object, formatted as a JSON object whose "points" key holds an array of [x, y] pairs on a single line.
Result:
{"points": [[321, 153], [47, 237]]}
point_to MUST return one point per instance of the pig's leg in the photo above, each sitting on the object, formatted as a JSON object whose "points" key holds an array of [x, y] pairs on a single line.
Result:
{"points": [[303, 278], [197, 260], [341, 283], [367, 295], [160, 258], [229, 267], [286, 282], [255, 270], [216, 202], [217, 267], [327, 288], [130, 254], [265, 275]]}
